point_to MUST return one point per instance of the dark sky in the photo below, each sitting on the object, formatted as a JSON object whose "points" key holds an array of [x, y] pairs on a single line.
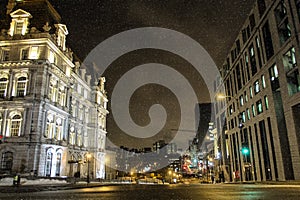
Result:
{"points": [[213, 23]]}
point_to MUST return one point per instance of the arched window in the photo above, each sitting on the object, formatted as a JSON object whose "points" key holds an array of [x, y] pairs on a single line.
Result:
{"points": [[7, 160], [3, 87], [52, 91], [79, 138], [1, 131], [48, 164], [58, 131], [58, 163], [15, 126], [72, 136], [61, 96], [49, 127], [21, 86]]}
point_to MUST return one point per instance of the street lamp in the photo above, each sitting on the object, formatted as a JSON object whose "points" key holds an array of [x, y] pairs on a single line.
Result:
{"points": [[232, 110], [88, 156]]}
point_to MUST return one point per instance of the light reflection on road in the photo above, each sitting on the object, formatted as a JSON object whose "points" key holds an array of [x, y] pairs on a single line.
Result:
{"points": [[166, 192]]}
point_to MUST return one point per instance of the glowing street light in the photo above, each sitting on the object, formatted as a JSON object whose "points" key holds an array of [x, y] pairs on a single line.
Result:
{"points": [[245, 151], [88, 157]]}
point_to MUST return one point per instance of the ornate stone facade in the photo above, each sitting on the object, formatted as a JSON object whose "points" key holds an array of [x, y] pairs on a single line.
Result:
{"points": [[52, 120]]}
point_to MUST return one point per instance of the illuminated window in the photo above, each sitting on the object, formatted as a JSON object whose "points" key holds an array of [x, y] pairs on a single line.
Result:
{"points": [[52, 57], [248, 114], [7, 160], [3, 87], [284, 29], [24, 54], [61, 31], [79, 138], [49, 127], [58, 129], [72, 136], [241, 100], [52, 91], [58, 164], [250, 91], [263, 81], [34, 52], [293, 79], [273, 72], [86, 115], [15, 126], [266, 102], [19, 27], [61, 96], [289, 59], [292, 72], [21, 86], [74, 109], [259, 107], [256, 87], [48, 164], [1, 121], [19, 23], [253, 111], [5, 55], [80, 112]]}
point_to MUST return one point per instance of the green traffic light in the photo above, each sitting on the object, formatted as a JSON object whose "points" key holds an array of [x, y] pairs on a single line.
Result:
{"points": [[245, 151]]}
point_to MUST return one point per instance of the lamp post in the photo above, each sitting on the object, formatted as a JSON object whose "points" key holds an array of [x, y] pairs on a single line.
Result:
{"points": [[88, 156], [241, 119], [240, 124]]}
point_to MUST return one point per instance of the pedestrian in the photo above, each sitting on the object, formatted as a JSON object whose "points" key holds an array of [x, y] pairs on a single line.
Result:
{"points": [[18, 180], [15, 180], [212, 179]]}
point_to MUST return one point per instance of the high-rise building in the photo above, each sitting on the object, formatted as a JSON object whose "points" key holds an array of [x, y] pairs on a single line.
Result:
{"points": [[261, 107], [52, 118]]}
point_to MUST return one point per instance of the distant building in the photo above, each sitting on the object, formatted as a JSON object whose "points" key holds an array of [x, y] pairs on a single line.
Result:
{"points": [[261, 140], [206, 114], [52, 118]]}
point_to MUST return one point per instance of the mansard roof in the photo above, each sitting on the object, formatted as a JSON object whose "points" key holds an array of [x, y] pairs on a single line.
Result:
{"points": [[41, 11]]}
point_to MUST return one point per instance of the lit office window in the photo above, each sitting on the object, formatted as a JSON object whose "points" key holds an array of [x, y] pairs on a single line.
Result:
{"points": [[263, 81], [256, 87], [259, 107], [266, 102]]}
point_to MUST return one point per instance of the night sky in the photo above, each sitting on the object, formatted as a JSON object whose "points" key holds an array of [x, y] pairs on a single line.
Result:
{"points": [[214, 24]]}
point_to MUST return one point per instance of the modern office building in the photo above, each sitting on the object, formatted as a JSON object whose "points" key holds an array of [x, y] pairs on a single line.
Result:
{"points": [[52, 118], [261, 137]]}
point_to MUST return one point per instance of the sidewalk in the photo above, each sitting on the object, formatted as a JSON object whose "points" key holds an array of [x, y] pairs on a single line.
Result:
{"points": [[267, 182], [6, 185]]}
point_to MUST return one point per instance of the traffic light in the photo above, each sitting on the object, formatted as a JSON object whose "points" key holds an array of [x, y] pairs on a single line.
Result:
{"points": [[245, 151], [1, 138]]}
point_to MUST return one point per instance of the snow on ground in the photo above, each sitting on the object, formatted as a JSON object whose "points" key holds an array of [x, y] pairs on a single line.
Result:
{"points": [[24, 181]]}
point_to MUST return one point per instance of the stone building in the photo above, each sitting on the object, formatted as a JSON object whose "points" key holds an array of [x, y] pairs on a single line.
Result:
{"points": [[52, 118], [261, 138]]}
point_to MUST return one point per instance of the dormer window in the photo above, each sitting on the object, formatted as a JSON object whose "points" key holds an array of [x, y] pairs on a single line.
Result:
{"points": [[34, 52], [19, 23], [61, 31], [5, 55], [25, 54]]}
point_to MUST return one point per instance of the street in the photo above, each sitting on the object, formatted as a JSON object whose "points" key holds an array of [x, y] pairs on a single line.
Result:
{"points": [[167, 192]]}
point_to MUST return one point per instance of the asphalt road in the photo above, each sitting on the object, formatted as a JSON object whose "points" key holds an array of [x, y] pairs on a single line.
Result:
{"points": [[167, 192]]}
